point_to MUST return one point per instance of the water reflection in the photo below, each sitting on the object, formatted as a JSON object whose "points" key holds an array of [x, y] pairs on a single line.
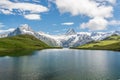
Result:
{"points": [[16, 53], [62, 64]]}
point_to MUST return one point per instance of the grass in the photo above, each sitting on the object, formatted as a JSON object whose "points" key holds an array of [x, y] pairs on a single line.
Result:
{"points": [[21, 45], [21, 42], [110, 43]]}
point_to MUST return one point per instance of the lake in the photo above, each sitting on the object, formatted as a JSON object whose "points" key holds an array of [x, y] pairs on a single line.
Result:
{"points": [[61, 64]]}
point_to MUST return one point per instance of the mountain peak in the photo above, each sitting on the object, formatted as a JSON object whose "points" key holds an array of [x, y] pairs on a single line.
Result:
{"points": [[70, 31], [25, 27]]}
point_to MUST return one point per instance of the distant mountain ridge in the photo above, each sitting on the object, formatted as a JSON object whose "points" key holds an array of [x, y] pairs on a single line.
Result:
{"points": [[69, 39]]}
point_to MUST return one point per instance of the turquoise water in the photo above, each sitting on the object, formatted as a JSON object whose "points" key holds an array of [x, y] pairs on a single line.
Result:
{"points": [[62, 64]]}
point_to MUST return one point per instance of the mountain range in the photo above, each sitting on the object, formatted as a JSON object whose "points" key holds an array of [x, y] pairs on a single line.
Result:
{"points": [[69, 39], [109, 43]]}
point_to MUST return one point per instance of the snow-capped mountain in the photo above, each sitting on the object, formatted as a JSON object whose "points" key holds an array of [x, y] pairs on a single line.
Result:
{"points": [[80, 38], [70, 32], [69, 39], [97, 36], [50, 40], [73, 40], [25, 29]]}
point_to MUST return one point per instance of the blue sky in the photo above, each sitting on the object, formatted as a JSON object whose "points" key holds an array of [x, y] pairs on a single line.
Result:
{"points": [[57, 16]]}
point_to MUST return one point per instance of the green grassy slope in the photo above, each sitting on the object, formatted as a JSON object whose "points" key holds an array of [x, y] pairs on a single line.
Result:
{"points": [[21, 42], [110, 43]]}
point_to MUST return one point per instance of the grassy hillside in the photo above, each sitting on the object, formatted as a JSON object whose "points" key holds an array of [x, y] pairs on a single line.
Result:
{"points": [[21, 42], [110, 43]]}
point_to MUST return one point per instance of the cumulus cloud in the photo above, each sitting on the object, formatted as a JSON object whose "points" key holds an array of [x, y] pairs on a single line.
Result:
{"points": [[96, 23], [90, 8], [67, 23], [101, 24], [32, 17], [97, 10], [9, 7]]}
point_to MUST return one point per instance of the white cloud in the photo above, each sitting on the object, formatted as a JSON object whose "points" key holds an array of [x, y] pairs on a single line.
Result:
{"points": [[5, 11], [96, 23], [90, 8], [104, 1], [9, 7], [32, 17], [99, 24], [97, 10], [9, 30], [67, 23], [112, 1]]}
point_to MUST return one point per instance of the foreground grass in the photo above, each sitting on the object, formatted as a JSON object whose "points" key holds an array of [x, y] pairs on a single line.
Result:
{"points": [[21, 45], [110, 43], [21, 42]]}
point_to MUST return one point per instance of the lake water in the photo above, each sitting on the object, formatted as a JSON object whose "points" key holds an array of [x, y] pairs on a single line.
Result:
{"points": [[62, 64]]}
